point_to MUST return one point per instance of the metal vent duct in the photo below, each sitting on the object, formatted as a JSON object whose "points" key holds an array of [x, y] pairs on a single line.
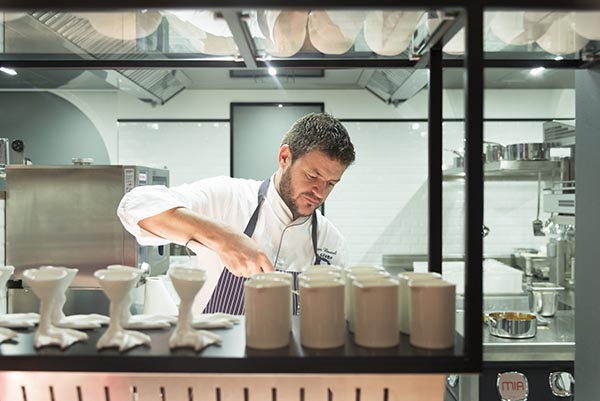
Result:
{"points": [[397, 86], [559, 134], [79, 37]]}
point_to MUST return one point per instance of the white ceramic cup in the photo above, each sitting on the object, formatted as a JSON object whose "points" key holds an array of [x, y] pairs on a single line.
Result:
{"points": [[354, 271], [349, 291], [322, 268], [404, 300], [322, 323], [376, 313], [268, 313], [432, 323], [314, 275], [361, 268], [267, 276], [273, 275]]}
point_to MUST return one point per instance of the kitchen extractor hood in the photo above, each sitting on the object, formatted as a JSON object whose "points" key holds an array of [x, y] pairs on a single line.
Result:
{"points": [[398, 85], [54, 32]]}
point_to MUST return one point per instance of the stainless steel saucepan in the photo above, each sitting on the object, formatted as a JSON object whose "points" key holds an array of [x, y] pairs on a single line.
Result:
{"points": [[494, 152], [514, 325], [527, 151]]}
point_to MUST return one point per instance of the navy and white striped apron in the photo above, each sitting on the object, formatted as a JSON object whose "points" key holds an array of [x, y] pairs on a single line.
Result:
{"points": [[228, 295]]}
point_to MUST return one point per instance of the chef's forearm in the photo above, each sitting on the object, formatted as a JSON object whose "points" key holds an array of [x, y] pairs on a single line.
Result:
{"points": [[181, 225]]}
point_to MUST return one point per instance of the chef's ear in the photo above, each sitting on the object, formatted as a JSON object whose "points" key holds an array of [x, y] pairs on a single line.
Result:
{"points": [[285, 156]]}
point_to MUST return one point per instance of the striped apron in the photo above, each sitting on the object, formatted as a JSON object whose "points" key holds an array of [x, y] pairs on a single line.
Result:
{"points": [[228, 295]]}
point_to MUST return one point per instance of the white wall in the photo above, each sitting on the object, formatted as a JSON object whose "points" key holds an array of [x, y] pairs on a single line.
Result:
{"points": [[381, 204], [355, 103], [101, 109]]}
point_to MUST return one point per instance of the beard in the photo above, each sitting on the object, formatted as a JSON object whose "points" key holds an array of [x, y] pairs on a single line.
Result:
{"points": [[285, 187]]}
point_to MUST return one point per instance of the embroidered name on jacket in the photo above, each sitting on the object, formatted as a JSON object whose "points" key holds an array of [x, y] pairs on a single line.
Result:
{"points": [[327, 254]]}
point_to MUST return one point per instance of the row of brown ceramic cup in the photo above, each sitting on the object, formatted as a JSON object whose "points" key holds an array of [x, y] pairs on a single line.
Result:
{"points": [[429, 320], [376, 306]]}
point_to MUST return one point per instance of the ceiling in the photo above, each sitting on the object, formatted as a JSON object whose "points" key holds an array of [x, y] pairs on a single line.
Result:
{"points": [[209, 78]]}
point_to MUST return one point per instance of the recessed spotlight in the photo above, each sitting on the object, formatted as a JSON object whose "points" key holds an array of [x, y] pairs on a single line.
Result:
{"points": [[280, 105], [8, 71], [272, 71], [416, 126], [537, 71], [558, 58]]}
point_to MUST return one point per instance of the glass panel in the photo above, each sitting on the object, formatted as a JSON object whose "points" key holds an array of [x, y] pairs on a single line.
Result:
{"points": [[540, 34], [329, 33], [110, 35], [300, 34]]}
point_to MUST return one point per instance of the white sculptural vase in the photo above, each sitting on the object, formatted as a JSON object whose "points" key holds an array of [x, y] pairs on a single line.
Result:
{"points": [[47, 285], [59, 318], [117, 285], [142, 321], [187, 282]]}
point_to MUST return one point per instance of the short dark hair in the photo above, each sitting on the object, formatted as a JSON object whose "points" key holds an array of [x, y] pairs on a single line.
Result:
{"points": [[323, 132]]}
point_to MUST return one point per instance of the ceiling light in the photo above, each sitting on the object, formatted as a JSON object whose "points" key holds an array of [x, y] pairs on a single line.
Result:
{"points": [[272, 71], [415, 126], [537, 71], [8, 71], [558, 58], [280, 105]]}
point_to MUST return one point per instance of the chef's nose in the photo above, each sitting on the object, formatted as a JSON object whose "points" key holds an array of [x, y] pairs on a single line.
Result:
{"points": [[319, 189]]}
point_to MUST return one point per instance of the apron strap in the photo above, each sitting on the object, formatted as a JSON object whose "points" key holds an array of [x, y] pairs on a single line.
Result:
{"points": [[262, 191], [318, 259]]}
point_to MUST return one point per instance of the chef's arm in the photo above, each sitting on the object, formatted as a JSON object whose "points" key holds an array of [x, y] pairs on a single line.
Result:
{"points": [[241, 254]]}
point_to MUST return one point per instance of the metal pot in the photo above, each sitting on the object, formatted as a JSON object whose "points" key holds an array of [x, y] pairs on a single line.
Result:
{"points": [[494, 152], [459, 161], [527, 151], [459, 158], [512, 324], [543, 298]]}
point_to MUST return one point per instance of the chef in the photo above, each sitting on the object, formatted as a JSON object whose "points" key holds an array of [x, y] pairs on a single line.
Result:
{"points": [[238, 227]]}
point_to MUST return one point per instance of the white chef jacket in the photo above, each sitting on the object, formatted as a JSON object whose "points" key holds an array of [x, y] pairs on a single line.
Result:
{"points": [[286, 242]]}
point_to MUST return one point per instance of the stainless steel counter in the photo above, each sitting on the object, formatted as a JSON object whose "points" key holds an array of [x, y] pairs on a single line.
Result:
{"points": [[555, 342]]}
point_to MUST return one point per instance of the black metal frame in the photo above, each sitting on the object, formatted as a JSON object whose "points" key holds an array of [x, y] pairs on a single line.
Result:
{"points": [[329, 64], [434, 157], [474, 187], [473, 62]]}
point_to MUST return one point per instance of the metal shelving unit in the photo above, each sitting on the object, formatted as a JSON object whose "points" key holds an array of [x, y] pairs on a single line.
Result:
{"points": [[513, 170]]}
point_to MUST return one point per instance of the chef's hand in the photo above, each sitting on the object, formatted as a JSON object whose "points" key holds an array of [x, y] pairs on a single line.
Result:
{"points": [[242, 255]]}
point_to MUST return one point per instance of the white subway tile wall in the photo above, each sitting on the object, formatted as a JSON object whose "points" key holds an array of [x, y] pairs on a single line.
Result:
{"points": [[190, 150], [381, 203]]}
